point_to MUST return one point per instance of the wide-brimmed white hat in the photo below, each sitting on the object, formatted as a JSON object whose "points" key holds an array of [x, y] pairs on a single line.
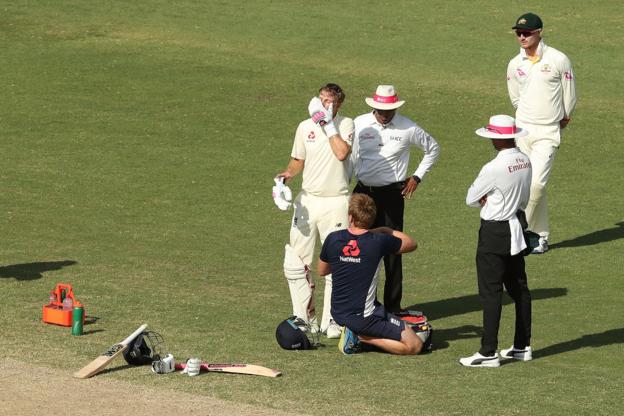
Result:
{"points": [[501, 127], [385, 98]]}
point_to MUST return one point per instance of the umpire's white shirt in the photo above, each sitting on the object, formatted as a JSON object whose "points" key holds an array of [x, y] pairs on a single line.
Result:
{"points": [[506, 180], [381, 153]]}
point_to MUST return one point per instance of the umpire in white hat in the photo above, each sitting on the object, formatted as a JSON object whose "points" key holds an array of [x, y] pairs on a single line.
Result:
{"points": [[380, 153], [502, 192]]}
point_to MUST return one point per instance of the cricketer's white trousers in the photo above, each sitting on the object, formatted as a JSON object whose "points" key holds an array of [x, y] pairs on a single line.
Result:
{"points": [[540, 145], [316, 217]]}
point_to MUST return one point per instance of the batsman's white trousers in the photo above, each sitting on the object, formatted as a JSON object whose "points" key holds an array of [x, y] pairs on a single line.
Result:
{"points": [[316, 217], [540, 145]]}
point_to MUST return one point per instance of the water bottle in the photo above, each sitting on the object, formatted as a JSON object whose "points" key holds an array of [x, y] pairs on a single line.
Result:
{"points": [[77, 319], [52, 297], [68, 304]]}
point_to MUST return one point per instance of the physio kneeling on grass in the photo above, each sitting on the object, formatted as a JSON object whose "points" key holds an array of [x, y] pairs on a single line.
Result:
{"points": [[353, 257]]}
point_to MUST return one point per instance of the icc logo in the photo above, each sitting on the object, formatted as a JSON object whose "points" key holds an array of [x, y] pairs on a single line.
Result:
{"points": [[351, 249]]}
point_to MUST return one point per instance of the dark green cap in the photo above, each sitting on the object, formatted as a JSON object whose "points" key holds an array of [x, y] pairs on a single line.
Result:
{"points": [[528, 21]]}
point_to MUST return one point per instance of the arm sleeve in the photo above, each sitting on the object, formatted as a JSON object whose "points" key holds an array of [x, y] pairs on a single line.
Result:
{"points": [[392, 245], [568, 88], [513, 87], [429, 146], [324, 249], [346, 131], [298, 150], [480, 187], [353, 157]]}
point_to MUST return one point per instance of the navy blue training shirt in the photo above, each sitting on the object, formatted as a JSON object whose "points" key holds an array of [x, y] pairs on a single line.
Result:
{"points": [[354, 260]]}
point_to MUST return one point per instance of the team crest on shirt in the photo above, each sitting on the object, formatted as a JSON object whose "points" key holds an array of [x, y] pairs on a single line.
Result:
{"points": [[311, 136], [546, 68]]}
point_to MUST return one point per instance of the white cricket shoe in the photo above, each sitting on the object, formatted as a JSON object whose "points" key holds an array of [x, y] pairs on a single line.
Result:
{"points": [[333, 330], [525, 354], [478, 360], [542, 247]]}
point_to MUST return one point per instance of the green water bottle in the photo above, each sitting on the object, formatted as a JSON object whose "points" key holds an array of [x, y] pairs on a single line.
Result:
{"points": [[77, 320]]}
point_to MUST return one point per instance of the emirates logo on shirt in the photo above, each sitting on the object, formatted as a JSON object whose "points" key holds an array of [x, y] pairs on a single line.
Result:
{"points": [[351, 249]]}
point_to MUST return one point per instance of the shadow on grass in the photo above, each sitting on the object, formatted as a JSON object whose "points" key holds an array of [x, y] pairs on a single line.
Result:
{"points": [[470, 303], [92, 331], [612, 336], [114, 369], [441, 337], [32, 271], [596, 237]]}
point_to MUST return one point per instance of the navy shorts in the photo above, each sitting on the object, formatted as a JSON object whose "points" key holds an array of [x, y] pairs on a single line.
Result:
{"points": [[380, 324]]}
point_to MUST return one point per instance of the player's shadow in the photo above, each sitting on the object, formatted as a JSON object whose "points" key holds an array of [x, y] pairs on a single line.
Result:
{"points": [[470, 303], [441, 337], [612, 336], [596, 237], [32, 271]]}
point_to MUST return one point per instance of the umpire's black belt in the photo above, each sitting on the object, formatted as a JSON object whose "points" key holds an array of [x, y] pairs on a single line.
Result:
{"points": [[392, 187]]}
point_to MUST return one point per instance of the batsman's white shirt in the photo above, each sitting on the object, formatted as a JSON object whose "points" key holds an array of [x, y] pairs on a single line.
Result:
{"points": [[381, 153], [506, 180], [543, 92], [323, 173]]}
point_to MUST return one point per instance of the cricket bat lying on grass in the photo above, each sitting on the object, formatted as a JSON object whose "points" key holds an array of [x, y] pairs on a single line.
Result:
{"points": [[103, 360], [252, 369]]}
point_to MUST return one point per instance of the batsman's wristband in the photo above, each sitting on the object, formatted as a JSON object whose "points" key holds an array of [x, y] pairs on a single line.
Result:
{"points": [[417, 179], [330, 129]]}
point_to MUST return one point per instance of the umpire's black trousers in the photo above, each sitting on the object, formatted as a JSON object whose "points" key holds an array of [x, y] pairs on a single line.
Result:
{"points": [[495, 268], [390, 207]]}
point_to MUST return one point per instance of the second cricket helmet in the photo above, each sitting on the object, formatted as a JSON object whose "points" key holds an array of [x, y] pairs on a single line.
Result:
{"points": [[144, 349]]}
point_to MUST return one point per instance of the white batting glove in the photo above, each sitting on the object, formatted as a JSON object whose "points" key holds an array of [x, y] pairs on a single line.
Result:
{"points": [[317, 111], [193, 367], [282, 195], [164, 365], [328, 126]]}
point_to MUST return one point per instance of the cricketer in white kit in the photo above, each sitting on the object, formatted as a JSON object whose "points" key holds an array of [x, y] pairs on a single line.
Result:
{"points": [[321, 151], [541, 87]]}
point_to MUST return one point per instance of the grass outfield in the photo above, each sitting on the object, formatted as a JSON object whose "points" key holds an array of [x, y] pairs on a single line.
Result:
{"points": [[139, 143]]}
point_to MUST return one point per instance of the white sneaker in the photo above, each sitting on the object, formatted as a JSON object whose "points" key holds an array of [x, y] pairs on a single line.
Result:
{"points": [[525, 354], [478, 360], [333, 330], [542, 247]]}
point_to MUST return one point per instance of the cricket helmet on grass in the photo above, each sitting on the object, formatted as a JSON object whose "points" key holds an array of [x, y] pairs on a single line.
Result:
{"points": [[296, 334]]}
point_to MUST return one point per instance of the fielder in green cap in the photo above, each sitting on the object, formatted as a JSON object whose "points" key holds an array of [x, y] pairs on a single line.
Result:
{"points": [[541, 87]]}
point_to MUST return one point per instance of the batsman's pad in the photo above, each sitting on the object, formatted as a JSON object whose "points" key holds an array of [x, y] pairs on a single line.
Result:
{"points": [[300, 285], [292, 334], [282, 195], [144, 349], [164, 365]]}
